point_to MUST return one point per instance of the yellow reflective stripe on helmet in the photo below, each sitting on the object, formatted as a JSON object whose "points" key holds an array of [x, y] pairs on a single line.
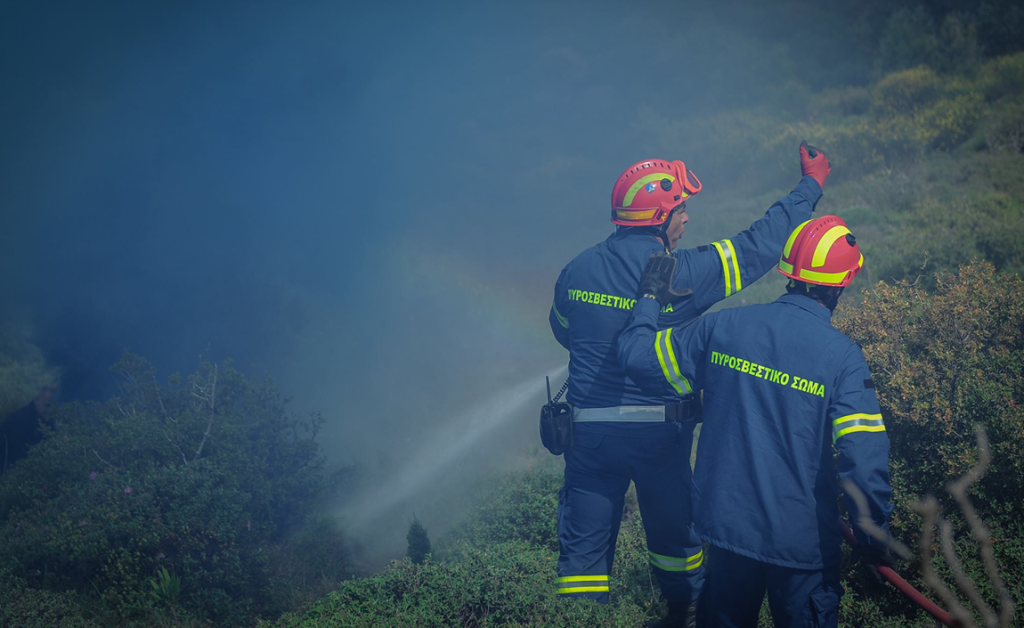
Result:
{"points": [[561, 319], [786, 268], [637, 215], [829, 278], [859, 422], [633, 189], [673, 563], [725, 268], [825, 244], [582, 584], [735, 264], [792, 238], [669, 365]]}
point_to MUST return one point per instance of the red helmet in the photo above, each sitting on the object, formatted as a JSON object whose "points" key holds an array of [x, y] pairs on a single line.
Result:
{"points": [[648, 191], [822, 251]]}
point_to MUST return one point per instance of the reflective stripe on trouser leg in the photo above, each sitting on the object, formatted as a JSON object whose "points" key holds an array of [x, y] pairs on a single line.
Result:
{"points": [[582, 584], [662, 478], [677, 563], [589, 513]]}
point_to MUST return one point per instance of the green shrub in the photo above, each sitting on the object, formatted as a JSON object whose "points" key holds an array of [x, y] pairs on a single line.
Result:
{"points": [[1002, 77], [23, 370], [507, 584], [906, 92], [419, 542], [309, 562], [1004, 128], [23, 607], [943, 364], [520, 507], [197, 479], [908, 38], [839, 103], [494, 573]]}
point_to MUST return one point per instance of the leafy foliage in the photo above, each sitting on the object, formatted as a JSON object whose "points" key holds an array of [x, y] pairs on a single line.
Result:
{"points": [[943, 364], [24, 607], [419, 542], [23, 370], [166, 587], [195, 480], [498, 569]]}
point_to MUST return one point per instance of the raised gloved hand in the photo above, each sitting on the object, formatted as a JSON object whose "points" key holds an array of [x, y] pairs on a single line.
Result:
{"points": [[657, 279], [814, 163], [871, 559]]}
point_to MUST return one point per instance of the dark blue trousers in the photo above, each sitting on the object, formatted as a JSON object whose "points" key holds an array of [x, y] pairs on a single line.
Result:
{"points": [[656, 457], [797, 598]]}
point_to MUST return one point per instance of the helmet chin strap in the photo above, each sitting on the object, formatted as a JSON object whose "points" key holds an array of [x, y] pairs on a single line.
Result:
{"points": [[663, 234], [663, 230], [833, 299], [826, 295]]}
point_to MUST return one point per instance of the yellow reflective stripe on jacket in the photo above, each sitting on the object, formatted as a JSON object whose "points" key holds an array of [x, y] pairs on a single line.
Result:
{"points": [[730, 266], [633, 189], [673, 563], [667, 360], [856, 423], [735, 264], [561, 319], [582, 584], [825, 244]]}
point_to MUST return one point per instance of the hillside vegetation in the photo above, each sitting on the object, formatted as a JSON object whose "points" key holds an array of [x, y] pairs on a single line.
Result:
{"points": [[134, 515], [930, 176]]}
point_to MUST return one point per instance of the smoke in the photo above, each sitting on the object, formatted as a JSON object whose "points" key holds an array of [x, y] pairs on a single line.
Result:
{"points": [[370, 203]]}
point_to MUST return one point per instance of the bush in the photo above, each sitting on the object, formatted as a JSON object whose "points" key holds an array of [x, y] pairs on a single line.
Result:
{"points": [[520, 507], [1004, 129], [419, 542], [508, 584], [197, 479], [497, 569], [1002, 77], [906, 92], [943, 364], [23, 370], [309, 562], [908, 39], [23, 607], [911, 37]]}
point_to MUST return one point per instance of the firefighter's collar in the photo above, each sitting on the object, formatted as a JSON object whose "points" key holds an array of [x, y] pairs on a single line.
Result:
{"points": [[807, 303]]}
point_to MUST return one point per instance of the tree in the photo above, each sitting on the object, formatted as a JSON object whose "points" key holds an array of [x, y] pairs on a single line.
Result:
{"points": [[419, 542]]}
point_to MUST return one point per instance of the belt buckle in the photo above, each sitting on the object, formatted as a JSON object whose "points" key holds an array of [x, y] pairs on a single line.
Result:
{"points": [[685, 410]]}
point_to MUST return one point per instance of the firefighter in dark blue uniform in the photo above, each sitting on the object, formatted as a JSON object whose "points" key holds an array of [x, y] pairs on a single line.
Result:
{"points": [[781, 387], [622, 433]]}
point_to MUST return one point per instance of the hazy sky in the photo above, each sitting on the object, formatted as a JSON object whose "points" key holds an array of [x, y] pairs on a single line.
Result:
{"points": [[369, 203]]}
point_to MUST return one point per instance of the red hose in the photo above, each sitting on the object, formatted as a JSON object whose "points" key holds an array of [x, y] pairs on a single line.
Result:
{"points": [[902, 585]]}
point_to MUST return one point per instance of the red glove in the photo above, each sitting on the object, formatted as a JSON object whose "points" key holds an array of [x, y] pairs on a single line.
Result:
{"points": [[814, 163]]}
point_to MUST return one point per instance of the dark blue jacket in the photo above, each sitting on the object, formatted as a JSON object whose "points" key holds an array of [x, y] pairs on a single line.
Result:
{"points": [[781, 384], [596, 291]]}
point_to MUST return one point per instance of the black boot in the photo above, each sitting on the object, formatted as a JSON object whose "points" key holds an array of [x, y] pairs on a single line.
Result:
{"points": [[679, 616]]}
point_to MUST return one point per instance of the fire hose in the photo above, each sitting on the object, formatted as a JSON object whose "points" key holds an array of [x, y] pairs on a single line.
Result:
{"points": [[902, 585]]}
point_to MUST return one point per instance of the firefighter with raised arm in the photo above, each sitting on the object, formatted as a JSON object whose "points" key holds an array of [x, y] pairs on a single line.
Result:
{"points": [[622, 433], [782, 386]]}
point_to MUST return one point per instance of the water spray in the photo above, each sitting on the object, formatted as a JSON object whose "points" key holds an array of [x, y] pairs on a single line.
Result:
{"points": [[447, 447]]}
